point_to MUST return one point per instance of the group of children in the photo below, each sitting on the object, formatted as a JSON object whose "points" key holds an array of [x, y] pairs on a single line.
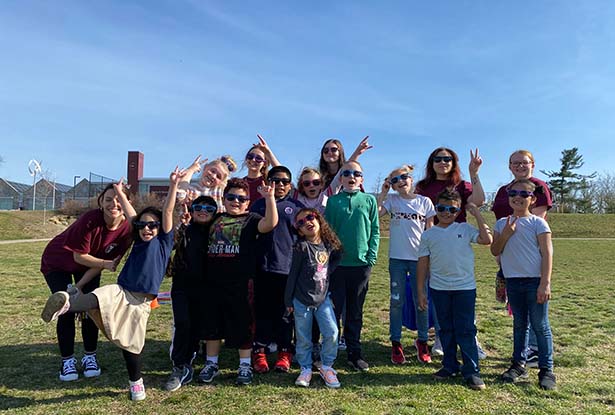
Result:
{"points": [[277, 263]]}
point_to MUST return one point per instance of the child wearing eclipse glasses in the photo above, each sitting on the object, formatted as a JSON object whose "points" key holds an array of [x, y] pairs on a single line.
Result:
{"points": [[446, 253], [188, 269], [121, 310]]}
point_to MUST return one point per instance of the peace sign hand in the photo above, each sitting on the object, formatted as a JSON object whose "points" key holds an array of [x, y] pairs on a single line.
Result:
{"points": [[510, 227], [475, 162]]}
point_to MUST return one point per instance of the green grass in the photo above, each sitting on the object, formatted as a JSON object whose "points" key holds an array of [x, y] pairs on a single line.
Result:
{"points": [[581, 314], [27, 224]]}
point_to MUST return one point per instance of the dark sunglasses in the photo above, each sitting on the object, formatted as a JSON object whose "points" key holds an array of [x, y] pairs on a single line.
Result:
{"points": [[439, 159], [523, 193], [301, 222], [255, 157], [154, 224], [232, 197], [278, 180], [395, 179], [206, 208], [315, 182], [326, 150], [446, 208], [355, 173]]}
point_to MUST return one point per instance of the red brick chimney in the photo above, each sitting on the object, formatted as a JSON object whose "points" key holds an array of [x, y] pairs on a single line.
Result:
{"points": [[135, 170]]}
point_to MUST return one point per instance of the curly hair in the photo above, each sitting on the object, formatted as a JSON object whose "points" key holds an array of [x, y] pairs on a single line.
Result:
{"points": [[454, 177], [327, 235], [322, 164], [236, 183]]}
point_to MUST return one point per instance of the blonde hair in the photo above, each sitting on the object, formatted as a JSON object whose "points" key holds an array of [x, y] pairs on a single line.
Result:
{"points": [[526, 153], [306, 170], [226, 164], [408, 168]]}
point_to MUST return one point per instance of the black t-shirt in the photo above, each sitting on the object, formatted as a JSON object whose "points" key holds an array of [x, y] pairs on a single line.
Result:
{"points": [[232, 246], [189, 263]]}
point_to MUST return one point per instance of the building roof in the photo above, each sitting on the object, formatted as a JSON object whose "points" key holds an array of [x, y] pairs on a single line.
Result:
{"points": [[18, 187]]}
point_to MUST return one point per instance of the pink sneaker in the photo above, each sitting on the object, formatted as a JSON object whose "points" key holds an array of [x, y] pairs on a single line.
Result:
{"points": [[304, 378], [329, 375]]}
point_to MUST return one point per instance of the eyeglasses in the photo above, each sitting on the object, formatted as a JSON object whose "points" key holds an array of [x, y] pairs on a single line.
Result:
{"points": [[355, 173], [154, 224], [395, 179], [206, 208], [442, 159], [278, 180], [520, 163], [255, 157], [230, 197], [326, 150], [447, 208], [301, 222], [308, 183], [523, 193]]}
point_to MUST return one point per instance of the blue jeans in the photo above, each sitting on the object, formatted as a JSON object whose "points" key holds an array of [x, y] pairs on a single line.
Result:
{"points": [[325, 317], [398, 269], [456, 317], [522, 299]]}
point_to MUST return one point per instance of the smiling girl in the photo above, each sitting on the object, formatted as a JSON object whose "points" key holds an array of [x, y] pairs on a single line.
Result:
{"points": [[213, 179], [121, 310]]}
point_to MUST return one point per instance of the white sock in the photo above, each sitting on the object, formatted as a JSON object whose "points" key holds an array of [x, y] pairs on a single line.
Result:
{"points": [[245, 360], [213, 359]]}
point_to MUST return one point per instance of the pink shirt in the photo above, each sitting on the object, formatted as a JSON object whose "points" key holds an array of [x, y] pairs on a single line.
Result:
{"points": [[501, 208]]}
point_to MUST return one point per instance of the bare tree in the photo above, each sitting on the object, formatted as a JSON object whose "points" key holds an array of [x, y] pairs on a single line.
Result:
{"points": [[603, 193]]}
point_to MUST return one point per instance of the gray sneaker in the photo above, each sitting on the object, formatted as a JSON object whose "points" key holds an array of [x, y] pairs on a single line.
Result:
{"points": [[179, 376], [209, 372], [244, 374], [57, 304]]}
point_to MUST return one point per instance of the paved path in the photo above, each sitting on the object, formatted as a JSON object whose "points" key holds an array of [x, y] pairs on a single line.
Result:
{"points": [[19, 241]]}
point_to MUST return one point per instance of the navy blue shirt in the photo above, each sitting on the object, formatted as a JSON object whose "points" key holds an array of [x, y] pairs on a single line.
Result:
{"points": [[147, 264], [275, 248]]}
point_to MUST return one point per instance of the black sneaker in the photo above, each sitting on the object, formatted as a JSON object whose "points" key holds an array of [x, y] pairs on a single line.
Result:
{"points": [[546, 379], [244, 374], [475, 382], [180, 375], [68, 370], [359, 364], [90, 365], [515, 373], [444, 374], [209, 372], [532, 358]]}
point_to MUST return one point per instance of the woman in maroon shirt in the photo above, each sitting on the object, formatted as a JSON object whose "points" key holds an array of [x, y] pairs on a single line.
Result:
{"points": [[98, 239], [442, 172]]}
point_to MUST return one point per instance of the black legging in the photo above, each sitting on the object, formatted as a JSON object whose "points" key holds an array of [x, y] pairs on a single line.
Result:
{"points": [[133, 364], [65, 329]]}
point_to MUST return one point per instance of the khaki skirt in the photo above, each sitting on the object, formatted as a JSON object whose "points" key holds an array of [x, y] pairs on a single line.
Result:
{"points": [[122, 316]]}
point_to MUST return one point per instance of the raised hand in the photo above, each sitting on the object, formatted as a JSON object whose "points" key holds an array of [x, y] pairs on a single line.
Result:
{"points": [[197, 164], [185, 217], [385, 186], [361, 148], [472, 208], [475, 162], [176, 176], [510, 227], [119, 187], [266, 191]]}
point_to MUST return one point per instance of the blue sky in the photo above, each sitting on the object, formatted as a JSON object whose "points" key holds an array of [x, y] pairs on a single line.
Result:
{"points": [[82, 83]]}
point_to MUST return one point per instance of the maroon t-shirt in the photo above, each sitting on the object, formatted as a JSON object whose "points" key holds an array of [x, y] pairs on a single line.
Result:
{"points": [[88, 235], [434, 188], [501, 208], [253, 185]]}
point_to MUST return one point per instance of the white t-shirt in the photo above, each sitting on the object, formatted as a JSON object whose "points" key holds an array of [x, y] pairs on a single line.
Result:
{"points": [[521, 256], [451, 258], [408, 218]]}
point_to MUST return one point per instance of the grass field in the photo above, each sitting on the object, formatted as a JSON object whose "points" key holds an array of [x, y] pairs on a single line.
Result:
{"points": [[582, 317]]}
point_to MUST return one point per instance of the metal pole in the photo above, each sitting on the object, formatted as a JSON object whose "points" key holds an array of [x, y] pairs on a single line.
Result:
{"points": [[34, 193], [75, 184]]}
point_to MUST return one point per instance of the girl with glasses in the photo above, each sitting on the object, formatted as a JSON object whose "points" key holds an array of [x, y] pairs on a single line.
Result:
{"points": [[332, 158], [257, 161], [410, 215], [121, 310]]}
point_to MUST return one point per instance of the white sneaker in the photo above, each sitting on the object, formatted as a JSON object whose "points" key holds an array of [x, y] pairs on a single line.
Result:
{"points": [[137, 390], [481, 353], [57, 304], [436, 349], [68, 371], [90, 365]]}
